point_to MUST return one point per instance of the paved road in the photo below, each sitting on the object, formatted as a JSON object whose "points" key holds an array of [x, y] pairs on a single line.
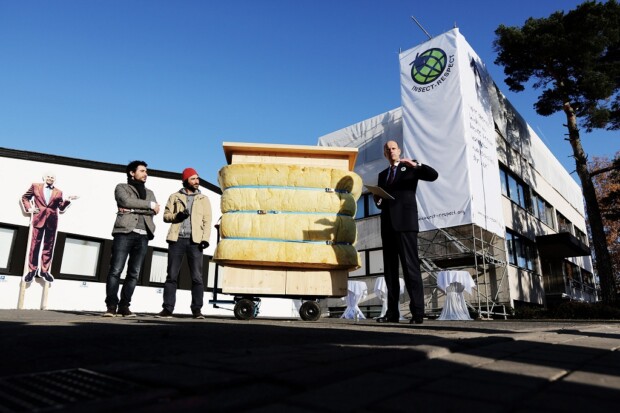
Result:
{"points": [[82, 362]]}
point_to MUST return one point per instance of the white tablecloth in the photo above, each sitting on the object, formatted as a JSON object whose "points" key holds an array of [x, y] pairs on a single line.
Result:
{"points": [[381, 292], [356, 292], [454, 283]]}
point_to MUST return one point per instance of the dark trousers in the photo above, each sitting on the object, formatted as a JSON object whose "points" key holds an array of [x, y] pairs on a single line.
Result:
{"points": [[176, 252], [134, 246], [402, 246]]}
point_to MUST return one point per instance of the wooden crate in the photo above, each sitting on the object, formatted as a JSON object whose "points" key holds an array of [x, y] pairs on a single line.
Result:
{"points": [[286, 281], [283, 282]]}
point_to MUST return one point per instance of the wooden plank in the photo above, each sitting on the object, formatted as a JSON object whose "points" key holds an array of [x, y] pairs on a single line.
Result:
{"points": [[283, 282], [248, 280], [317, 283], [295, 154]]}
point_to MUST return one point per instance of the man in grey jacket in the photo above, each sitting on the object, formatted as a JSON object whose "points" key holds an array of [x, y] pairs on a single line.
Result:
{"points": [[133, 229]]}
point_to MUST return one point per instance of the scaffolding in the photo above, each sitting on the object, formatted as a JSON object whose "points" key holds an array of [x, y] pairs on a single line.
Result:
{"points": [[468, 248]]}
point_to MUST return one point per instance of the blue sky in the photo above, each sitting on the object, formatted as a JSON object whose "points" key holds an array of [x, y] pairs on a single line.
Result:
{"points": [[169, 81]]}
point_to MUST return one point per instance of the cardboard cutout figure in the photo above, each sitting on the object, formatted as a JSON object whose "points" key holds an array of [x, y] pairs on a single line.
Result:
{"points": [[43, 202]]}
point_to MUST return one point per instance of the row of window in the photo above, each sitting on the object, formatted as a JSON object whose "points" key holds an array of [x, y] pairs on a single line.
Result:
{"points": [[513, 188], [521, 251], [522, 195], [81, 257]]}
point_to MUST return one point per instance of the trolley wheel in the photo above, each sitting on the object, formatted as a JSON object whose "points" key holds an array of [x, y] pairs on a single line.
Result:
{"points": [[310, 311], [244, 309]]}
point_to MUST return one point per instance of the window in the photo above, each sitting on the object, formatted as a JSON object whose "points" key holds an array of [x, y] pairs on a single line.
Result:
{"points": [[361, 209], [375, 262], [581, 236], [510, 248], [366, 207], [515, 189], [543, 210], [362, 270], [564, 225], [159, 267], [80, 257], [521, 251], [7, 238], [503, 178]]}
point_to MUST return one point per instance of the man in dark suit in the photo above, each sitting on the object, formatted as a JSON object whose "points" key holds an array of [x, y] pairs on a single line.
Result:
{"points": [[43, 201], [399, 230]]}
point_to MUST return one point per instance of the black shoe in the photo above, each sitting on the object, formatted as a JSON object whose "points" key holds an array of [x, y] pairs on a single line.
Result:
{"points": [[387, 320], [164, 314], [416, 320], [196, 314], [30, 276], [110, 312], [125, 312], [48, 277]]}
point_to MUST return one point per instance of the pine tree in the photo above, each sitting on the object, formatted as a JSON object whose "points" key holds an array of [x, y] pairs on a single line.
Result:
{"points": [[574, 58]]}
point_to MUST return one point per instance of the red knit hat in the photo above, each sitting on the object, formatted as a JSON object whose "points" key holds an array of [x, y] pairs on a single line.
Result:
{"points": [[187, 173]]}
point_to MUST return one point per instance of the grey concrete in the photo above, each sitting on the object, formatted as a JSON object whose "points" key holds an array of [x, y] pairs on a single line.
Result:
{"points": [[332, 365]]}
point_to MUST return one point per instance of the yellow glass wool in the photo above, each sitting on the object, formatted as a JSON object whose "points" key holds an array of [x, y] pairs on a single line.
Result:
{"points": [[288, 215]]}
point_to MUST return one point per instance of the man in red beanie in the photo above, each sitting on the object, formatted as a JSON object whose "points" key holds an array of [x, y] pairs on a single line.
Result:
{"points": [[189, 212]]}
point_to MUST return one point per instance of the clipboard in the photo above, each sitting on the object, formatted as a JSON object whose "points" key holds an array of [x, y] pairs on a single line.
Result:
{"points": [[376, 190]]}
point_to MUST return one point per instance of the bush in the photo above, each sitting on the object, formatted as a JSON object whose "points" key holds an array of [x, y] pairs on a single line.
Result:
{"points": [[570, 310], [586, 311]]}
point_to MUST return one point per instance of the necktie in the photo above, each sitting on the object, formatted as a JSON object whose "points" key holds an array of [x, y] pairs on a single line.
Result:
{"points": [[391, 174]]}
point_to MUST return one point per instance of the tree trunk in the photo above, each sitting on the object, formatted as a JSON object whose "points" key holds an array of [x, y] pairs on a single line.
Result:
{"points": [[602, 256]]}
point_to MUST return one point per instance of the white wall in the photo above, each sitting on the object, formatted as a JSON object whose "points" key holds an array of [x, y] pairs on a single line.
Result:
{"points": [[94, 212], [93, 215]]}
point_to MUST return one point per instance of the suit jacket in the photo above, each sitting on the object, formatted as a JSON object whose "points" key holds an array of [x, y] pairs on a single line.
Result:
{"points": [[48, 211], [127, 197], [402, 212]]}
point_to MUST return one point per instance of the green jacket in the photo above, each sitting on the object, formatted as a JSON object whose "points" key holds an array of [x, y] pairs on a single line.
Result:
{"points": [[201, 216]]}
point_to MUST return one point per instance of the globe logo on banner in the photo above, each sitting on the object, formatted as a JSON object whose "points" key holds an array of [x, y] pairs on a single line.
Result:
{"points": [[428, 66]]}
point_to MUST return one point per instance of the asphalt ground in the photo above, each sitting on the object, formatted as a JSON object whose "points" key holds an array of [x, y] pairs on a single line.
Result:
{"points": [[82, 362]]}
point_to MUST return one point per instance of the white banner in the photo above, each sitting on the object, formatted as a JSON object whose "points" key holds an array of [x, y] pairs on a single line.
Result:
{"points": [[447, 124]]}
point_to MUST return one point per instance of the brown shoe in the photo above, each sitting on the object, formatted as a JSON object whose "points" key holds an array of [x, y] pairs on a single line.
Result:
{"points": [[125, 312], [110, 312], [197, 315], [164, 314]]}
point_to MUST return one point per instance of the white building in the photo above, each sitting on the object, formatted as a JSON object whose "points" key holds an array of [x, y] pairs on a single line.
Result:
{"points": [[503, 208], [82, 251]]}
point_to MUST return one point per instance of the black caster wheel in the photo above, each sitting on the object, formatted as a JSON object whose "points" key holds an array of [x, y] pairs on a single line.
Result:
{"points": [[244, 309], [310, 311]]}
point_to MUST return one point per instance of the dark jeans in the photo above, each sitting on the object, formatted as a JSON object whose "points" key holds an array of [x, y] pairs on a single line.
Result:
{"points": [[176, 251], [133, 245]]}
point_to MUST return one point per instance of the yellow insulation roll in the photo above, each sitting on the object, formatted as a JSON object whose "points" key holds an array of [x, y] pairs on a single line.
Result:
{"points": [[286, 254], [289, 227], [288, 215], [290, 175], [290, 200]]}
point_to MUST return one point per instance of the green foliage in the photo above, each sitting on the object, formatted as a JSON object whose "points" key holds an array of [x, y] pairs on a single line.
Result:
{"points": [[572, 57]]}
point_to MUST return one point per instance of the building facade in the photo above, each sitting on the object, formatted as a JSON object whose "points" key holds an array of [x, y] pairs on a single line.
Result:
{"points": [[506, 210]]}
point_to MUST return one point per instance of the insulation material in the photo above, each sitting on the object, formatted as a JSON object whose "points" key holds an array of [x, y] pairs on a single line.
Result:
{"points": [[293, 227], [288, 215], [286, 254], [287, 199], [290, 175]]}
